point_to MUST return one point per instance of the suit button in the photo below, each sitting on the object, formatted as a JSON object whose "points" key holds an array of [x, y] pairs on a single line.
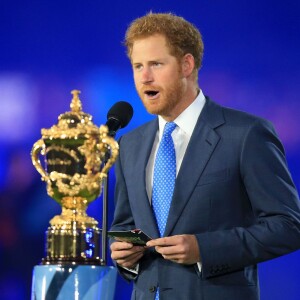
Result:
{"points": [[152, 289]]}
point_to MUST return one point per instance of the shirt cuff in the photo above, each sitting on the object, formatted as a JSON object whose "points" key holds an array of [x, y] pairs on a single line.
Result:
{"points": [[134, 270], [199, 265]]}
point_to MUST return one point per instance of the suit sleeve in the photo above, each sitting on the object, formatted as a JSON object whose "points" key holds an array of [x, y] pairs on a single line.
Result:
{"points": [[275, 205], [123, 219]]}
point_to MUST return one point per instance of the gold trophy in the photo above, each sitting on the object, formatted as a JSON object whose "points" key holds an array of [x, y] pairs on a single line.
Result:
{"points": [[77, 157]]}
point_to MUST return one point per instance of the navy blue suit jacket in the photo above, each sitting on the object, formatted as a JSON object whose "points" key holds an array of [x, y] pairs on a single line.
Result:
{"points": [[233, 191]]}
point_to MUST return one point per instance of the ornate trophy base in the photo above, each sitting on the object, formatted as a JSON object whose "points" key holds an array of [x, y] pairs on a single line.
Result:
{"points": [[73, 238], [77, 246], [57, 282]]}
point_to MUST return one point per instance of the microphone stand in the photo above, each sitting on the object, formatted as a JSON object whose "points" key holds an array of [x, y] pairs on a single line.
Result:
{"points": [[104, 220], [104, 209]]}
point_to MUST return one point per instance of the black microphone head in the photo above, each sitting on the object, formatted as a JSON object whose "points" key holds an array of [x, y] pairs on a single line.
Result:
{"points": [[121, 111]]}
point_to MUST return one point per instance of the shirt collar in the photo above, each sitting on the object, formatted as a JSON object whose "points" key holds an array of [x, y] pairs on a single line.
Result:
{"points": [[187, 120]]}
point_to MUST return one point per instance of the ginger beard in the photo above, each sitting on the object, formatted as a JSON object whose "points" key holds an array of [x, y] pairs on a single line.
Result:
{"points": [[167, 98]]}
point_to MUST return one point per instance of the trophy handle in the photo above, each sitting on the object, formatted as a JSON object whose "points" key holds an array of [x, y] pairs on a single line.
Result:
{"points": [[39, 147], [114, 151], [112, 145]]}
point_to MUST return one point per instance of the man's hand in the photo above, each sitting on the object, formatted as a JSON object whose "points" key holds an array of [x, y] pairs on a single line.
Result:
{"points": [[125, 254], [182, 249]]}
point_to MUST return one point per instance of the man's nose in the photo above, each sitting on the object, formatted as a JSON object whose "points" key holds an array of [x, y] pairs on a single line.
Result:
{"points": [[147, 75]]}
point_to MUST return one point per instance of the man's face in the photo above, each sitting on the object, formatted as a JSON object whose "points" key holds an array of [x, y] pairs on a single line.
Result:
{"points": [[157, 76]]}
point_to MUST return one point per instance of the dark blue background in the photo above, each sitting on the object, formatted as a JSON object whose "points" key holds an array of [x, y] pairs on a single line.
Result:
{"points": [[48, 48]]}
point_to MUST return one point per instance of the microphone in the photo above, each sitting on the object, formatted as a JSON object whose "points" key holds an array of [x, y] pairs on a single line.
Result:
{"points": [[118, 117]]}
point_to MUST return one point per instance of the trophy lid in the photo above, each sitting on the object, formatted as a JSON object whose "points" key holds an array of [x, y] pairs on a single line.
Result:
{"points": [[73, 124]]}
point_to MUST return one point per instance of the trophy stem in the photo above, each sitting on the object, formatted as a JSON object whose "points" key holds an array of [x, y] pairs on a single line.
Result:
{"points": [[74, 208]]}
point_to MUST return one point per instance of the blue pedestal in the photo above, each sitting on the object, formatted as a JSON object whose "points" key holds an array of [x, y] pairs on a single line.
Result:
{"points": [[55, 282]]}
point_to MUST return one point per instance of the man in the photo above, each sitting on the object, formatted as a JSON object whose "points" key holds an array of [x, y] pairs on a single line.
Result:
{"points": [[233, 203]]}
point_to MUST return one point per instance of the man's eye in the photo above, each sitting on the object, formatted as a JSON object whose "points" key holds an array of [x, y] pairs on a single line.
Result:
{"points": [[156, 64], [138, 67]]}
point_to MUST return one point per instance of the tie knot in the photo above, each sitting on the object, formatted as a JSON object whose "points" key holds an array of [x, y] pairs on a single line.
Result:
{"points": [[169, 128]]}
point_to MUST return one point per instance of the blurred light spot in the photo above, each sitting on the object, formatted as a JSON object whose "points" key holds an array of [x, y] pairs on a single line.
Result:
{"points": [[18, 103]]}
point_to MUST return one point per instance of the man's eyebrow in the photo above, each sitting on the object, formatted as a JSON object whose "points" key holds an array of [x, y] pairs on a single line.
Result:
{"points": [[149, 61]]}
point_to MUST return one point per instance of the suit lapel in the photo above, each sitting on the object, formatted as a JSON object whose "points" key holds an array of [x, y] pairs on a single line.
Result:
{"points": [[200, 149], [141, 154]]}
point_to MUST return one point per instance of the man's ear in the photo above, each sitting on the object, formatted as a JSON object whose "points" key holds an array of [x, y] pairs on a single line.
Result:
{"points": [[188, 64]]}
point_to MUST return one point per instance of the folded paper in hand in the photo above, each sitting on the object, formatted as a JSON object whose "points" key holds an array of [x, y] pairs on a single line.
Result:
{"points": [[135, 236]]}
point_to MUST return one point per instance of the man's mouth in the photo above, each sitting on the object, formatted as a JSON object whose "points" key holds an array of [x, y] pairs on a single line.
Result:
{"points": [[151, 94]]}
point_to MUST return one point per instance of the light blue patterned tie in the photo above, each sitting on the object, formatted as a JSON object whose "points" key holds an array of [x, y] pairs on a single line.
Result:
{"points": [[164, 180], [164, 177]]}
